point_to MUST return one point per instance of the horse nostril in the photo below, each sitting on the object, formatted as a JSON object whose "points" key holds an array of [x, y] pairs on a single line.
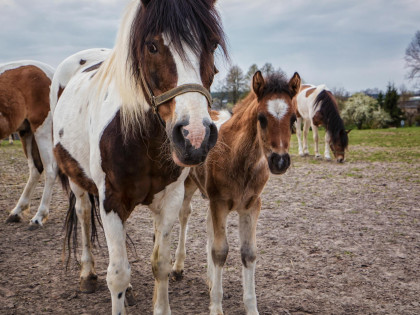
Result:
{"points": [[284, 161], [178, 135], [340, 160]]}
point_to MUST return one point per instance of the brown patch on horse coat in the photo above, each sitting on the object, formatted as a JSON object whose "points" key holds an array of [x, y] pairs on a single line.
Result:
{"points": [[309, 92], [214, 115], [24, 94], [72, 169], [317, 119], [135, 175], [36, 156], [161, 75]]}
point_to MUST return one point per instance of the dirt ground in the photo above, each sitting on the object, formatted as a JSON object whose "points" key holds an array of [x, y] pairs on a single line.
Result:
{"points": [[332, 239]]}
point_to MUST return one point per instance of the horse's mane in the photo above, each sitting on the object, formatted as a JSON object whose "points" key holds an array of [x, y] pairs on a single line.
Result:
{"points": [[194, 23], [331, 117]]}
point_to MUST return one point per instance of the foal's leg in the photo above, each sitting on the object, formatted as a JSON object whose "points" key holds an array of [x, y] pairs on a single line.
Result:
{"points": [[34, 174], [305, 137], [184, 214], [327, 146], [247, 234], [315, 135], [217, 251], [43, 137], [119, 270], [11, 139], [299, 134], [88, 277]]}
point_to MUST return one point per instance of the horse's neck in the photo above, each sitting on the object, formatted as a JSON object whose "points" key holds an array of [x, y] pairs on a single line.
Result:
{"points": [[243, 139]]}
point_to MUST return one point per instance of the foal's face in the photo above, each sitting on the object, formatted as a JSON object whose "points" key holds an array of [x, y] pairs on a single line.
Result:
{"points": [[189, 127], [275, 119]]}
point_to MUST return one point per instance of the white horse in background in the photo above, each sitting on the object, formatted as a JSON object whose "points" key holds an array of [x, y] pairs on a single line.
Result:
{"points": [[317, 106]]}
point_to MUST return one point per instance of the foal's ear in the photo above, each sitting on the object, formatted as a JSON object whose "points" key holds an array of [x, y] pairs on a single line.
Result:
{"points": [[145, 2], [294, 84], [258, 83]]}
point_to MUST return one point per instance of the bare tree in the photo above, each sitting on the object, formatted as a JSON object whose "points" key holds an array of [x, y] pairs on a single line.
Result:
{"points": [[412, 57], [236, 83]]}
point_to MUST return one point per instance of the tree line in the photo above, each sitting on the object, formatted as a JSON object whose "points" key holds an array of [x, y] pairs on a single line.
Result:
{"points": [[370, 108]]}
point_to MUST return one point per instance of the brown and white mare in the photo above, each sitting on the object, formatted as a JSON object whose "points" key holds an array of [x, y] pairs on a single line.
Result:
{"points": [[126, 129], [25, 107], [253, 143], [316, 106]]}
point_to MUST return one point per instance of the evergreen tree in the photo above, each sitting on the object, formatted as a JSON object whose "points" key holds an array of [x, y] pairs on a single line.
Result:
{"points": [[391, 105], [235, 83]]}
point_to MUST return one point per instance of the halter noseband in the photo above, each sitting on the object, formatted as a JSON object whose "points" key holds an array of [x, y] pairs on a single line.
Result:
{"points": [[156, 101]]}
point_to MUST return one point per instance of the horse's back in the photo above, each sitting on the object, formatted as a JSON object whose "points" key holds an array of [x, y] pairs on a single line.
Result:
{"points": [[24, 94], [306, 100]]}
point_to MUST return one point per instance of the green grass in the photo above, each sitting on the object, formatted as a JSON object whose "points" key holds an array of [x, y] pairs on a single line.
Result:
{"points": [[375, 145]]}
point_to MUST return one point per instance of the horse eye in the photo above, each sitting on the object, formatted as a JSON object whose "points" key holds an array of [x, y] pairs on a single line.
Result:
{"points": [[215, 45], [152, 48], [263, 121]]}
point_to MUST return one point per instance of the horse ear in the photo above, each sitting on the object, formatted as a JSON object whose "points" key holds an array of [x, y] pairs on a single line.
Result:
{"points": [[258, 83], [294, 84], [348, 131], [145, 2]]}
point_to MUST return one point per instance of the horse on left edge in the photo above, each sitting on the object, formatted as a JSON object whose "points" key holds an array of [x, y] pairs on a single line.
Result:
{"points": [[25, 107]]}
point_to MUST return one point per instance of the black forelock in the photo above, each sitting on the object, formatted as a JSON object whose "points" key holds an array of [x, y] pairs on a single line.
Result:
{"points": [[275, 83], [195, 23]]}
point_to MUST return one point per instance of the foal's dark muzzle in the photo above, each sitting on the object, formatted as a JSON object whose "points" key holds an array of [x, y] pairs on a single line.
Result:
{"points": [[278, 163], [188, 153]]}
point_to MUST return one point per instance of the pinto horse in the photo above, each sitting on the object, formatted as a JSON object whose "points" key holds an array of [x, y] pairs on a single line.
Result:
{"points": [[126, 128], [317, 106], [251, 144], [25, 107]]}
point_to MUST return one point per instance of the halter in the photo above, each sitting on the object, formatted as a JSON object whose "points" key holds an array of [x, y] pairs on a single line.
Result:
{"points": [[156, 101]]}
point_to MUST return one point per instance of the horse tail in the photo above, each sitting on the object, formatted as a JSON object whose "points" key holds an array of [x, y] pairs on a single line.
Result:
{"points": [[70, 242]]}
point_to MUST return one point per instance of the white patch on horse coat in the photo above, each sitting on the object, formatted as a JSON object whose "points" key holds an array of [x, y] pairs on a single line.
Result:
{"points": [[224, 116], [192, 105], [278, 108]]}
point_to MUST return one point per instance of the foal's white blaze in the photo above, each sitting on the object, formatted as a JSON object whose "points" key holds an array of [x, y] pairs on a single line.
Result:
{"points": [[191, 105], [277, 108]]}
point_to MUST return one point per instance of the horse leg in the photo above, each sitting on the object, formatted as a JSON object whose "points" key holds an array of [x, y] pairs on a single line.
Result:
{"points": [[11, 139], [119, 270], [327, 146], [299, 134], [165, 209], [247, 235], [315, 135], [184, 214], [43, 137], [217, 251], [34, 174], [305, 137]]}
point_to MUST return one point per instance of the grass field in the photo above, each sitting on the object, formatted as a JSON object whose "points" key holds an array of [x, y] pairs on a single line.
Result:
{"points": [[375, 145]]}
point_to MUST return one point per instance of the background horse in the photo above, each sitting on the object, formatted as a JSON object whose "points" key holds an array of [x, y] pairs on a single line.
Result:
{"points": [[251, 144], [125, 128], [317, 106], [25, 107]]}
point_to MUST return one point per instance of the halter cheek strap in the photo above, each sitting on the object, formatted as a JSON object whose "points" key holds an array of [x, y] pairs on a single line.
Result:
{"points": [[156, 101]]}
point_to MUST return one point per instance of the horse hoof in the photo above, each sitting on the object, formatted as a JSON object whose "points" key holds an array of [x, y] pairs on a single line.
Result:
{"points": [[177, 275], [130, 298], [89, 284], [13, 218]]}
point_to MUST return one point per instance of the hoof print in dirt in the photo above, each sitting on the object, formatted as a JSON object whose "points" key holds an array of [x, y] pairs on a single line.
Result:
{"points": [[89, 284], [13, 218], [177, 276], [130, 298]]}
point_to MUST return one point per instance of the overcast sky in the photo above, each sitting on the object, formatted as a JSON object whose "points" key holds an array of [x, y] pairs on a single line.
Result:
{"points": [[353, 44]]}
